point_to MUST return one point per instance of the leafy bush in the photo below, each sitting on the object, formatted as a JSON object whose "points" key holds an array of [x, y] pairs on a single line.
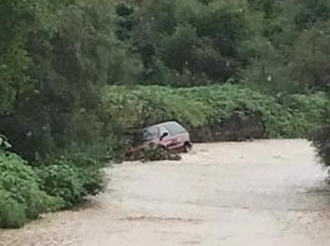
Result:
{"points": [[70, 180], [289, 117], [143, 105], [62, 181], [154, 153], [209, 112], [308, 110], [21, 198], [12, 213], [321, 138]]}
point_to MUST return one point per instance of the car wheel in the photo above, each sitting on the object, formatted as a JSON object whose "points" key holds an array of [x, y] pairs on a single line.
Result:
{"points": [[187, 147]]}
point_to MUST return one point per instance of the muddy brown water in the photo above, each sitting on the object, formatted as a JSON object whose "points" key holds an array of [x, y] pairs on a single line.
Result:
{"points": [[265, 193]]}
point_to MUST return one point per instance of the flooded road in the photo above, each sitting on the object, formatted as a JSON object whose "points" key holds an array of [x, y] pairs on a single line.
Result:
{"points": [[266, 193]]}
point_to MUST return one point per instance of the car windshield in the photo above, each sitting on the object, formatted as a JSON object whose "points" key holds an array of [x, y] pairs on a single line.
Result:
{"points": [[144, 135], [149, 133]]}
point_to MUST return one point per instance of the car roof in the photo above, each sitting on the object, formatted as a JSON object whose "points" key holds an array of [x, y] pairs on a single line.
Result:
{"points": [[163, 124], [167, 123]]}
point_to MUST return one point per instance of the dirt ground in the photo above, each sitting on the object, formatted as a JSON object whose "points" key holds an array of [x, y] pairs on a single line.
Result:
{"points": [[266, 193]]}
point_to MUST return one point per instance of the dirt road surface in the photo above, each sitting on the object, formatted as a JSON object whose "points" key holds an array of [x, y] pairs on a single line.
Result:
{"points": [[266, 193]]}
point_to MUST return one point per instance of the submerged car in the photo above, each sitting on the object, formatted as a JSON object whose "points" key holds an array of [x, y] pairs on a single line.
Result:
{"points": [[168, 135]]}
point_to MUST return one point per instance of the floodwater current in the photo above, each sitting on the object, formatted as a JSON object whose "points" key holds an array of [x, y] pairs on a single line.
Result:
{"points": [[266, 193]]}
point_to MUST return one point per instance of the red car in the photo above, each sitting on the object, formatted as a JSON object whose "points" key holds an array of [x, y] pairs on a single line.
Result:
{"points": [[168, 135]]}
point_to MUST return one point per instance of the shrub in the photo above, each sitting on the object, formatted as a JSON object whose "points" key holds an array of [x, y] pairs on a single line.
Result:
{"points": [[210, 112], [280, 120], [144, 105], [307, 109], [61, 181], [71, 179], [321, 138], [12, 213], [154, 153], [21, 198]]}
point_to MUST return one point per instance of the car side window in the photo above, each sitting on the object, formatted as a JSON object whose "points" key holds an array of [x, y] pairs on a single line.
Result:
{"points": [[162, 130]]}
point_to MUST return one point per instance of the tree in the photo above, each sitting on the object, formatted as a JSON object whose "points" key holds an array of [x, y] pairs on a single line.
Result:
{"points": [[17, 18], [69, 62]]}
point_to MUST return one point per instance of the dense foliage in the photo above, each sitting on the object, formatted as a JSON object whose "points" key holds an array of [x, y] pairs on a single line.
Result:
{"points": [[321, 138], [21, 197], [69, 182], [205, 109], [75, 75]]}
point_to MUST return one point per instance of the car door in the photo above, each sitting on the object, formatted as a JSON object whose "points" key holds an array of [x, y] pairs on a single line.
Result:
{"points": [[173, 142], [178, 131], [167, 141]]}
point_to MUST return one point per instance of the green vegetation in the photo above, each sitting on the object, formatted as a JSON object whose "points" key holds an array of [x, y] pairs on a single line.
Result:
{"points": [[76, 75], [206, 108], [321, 138], [71, 180], [154, 153], [21, 197]]}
